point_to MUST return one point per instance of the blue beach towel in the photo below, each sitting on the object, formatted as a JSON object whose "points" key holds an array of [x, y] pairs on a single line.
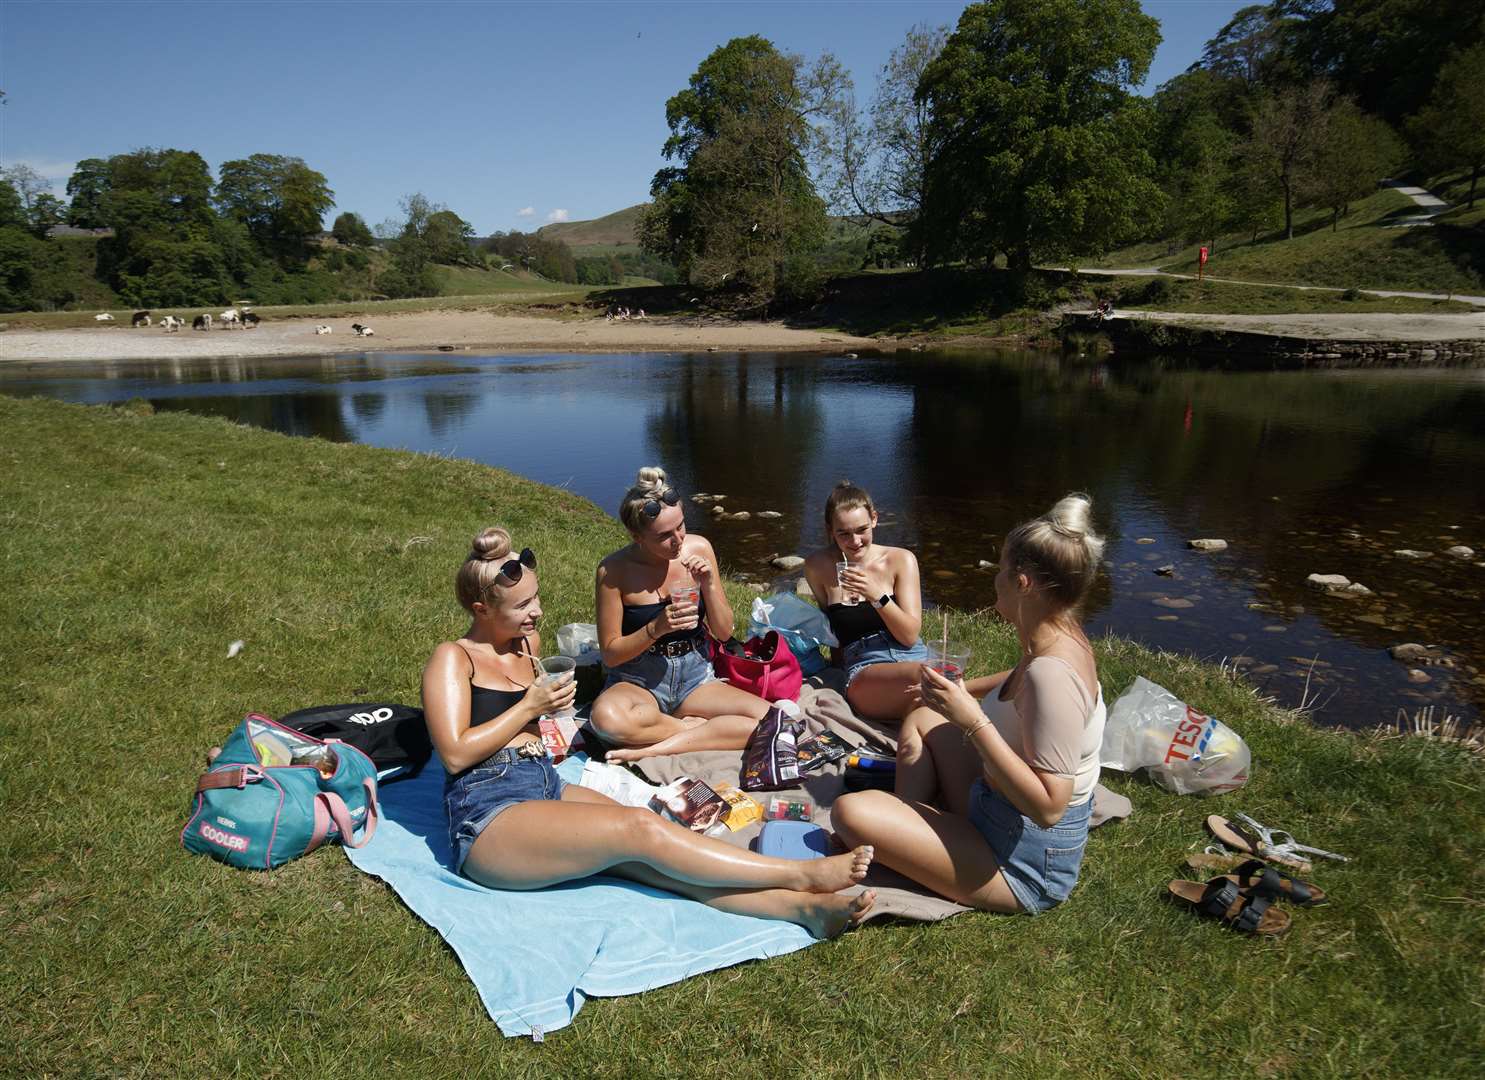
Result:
{"points": [[535, 957]]}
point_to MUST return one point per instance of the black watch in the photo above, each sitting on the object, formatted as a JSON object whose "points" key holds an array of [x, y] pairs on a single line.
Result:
{"points": [[885, 600]]}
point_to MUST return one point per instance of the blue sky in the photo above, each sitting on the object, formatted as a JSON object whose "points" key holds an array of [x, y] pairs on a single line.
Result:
{"points": [[512, 114]]}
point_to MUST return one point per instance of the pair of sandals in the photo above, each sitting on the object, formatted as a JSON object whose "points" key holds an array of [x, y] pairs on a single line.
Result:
{"points": [[1244, 899]]}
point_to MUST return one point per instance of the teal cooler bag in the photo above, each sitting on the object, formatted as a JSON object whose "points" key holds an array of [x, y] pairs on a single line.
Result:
{"points": [[256, 815]]}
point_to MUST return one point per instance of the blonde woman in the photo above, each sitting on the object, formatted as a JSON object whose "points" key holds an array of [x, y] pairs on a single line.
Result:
{"points": [[661, 696], [995, 776], [515, 824], [871, 594]]}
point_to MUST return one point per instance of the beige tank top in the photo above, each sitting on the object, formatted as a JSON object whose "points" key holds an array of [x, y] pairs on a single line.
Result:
{"points": [[1052, 723]]}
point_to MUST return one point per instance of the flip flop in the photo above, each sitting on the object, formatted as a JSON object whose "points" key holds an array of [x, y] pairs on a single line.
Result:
{"points": [[1221, 899], [1257, 877], [1240, 838]]}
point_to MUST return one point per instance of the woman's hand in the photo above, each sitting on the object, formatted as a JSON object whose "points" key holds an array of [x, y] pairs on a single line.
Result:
{"points": [[869, 581], [948, 698], [699, 569], [674, 616], [550, 695]]}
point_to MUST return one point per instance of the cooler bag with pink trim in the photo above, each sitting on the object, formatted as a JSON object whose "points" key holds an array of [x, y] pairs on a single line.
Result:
{"points": [[274, 794]]}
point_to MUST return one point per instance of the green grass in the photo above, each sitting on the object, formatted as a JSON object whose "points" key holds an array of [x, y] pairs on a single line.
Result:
{"points": [[468, 281], [136, 547], [1449, 256], [1225, 298]]}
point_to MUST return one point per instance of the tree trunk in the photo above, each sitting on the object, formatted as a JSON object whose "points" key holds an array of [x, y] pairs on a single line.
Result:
{"points": [[1288, 212], [1474, 178], [1335, 217]]}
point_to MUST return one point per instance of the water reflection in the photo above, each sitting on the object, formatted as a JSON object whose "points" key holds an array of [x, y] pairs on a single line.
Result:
{"points": [[1301, 472]]}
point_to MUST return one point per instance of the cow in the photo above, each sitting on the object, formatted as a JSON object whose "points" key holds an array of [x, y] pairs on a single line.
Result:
{"points": [[201, 322], [322, 329], [230, 317], [104, 317], [362, 331], [249, 320], [141, 318], [171, 324]]}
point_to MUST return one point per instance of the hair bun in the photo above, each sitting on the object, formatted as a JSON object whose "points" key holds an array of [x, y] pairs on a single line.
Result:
{"points": [[492, 543], [1072, 518], [652, 477]]}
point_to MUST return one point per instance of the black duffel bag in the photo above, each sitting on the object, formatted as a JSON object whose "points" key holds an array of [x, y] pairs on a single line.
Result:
{"points": [[393, 736]]}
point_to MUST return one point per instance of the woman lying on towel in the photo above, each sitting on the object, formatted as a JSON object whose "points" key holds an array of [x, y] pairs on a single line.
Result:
{"points": [[657, 600], [871, 596], [514, 824], [995, 776]]}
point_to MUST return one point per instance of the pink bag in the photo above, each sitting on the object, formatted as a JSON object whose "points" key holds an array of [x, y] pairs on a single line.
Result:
{"points": [[764, 666]]}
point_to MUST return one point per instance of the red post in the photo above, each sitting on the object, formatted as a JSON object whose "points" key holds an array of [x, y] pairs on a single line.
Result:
{"points": [[1201, 262]]}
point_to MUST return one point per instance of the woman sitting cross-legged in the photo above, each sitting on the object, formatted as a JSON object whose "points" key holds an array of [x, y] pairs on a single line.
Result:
{"points": [[993, 796], [657, 599], [515, 824], [870, 594]]}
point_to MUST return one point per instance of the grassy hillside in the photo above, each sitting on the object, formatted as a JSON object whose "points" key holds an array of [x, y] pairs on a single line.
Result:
{"points": [[139, 546], [80, 254], [468, 281], [616, 229], [1364, 252]]}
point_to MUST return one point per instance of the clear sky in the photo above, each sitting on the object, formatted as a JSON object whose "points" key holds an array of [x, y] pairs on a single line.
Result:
{"points": [[511, 113]]}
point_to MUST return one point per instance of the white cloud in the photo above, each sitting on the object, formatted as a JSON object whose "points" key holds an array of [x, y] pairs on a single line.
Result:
{"points": [[526, 211], [558, 215]]}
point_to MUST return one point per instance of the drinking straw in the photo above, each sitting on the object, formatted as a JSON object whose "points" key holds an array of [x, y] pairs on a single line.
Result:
{"points": [[944, 649], [535, 663]]}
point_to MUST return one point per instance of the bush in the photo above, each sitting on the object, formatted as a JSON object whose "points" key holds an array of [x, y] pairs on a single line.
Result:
{"points": [[1157, 291], [1353, 293]]}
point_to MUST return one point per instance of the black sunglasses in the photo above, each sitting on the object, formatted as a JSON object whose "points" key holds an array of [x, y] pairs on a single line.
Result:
{"points": [[511, 570], [651, 508]]}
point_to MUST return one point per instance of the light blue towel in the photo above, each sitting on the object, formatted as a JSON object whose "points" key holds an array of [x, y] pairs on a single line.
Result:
{"points": [[535, 957]]}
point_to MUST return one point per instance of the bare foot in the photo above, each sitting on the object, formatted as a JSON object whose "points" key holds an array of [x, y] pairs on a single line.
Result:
{"points": [[831, 916], [691, 721], [624, 754], [838, 871]]}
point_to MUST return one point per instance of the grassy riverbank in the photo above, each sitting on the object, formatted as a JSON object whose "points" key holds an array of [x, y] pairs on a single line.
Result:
{"points": [[137, 547]]}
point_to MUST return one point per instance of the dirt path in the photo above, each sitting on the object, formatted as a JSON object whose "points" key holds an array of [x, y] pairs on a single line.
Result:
{"points": [[420, 332], [1155, 271]]}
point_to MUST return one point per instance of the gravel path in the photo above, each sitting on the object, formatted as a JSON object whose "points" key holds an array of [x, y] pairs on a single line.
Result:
{"points": [[1363, 326]]}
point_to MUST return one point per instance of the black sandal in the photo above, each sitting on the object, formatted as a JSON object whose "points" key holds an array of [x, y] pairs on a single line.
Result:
{"points": [[1221, 898], [1256, 876]]}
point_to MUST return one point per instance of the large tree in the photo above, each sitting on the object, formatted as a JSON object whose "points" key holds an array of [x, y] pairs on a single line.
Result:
{"points": [[1354, 152], [1037, 149], [1449, 132], [350, 229], [1289, 127], [739, 203], [88, 187], [281, 200]]}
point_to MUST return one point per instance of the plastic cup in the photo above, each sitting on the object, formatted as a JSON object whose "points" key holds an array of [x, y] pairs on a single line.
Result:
{"points": [[689, 593], [950, 659], [560, 669], [849, 598]]}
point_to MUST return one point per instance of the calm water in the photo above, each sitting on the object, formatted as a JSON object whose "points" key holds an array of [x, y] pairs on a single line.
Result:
{"points": [[1301, 472]]}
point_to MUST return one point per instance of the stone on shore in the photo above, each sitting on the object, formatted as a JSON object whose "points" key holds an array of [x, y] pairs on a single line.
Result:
{"points": [[786, 562], [1207, 545]]}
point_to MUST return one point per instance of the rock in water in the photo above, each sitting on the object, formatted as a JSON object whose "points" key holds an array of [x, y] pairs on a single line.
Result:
{"points": [[786, 562], [769, 514], [1409, 553], [1172, 602], [986, 564], [1337, 585], [1461, 552], [1207, 545], [1168, 570]]}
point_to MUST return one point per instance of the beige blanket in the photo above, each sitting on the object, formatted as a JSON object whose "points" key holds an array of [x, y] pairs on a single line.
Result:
{"points": [[824, 709]]}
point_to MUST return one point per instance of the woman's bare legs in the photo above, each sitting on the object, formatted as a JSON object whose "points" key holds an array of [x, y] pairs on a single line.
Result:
{"points": [[731, 715], [942, 851], [934, 766], [880, 691], [629, 716], [541, 842]]}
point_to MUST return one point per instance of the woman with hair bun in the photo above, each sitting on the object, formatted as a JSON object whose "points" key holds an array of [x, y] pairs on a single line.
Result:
{"points": [[995, 776], [515, 824], [661, 696], [871, 595]]}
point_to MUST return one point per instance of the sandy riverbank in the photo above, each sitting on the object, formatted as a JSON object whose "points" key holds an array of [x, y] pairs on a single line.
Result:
{"points": [[420, 332], [1362, 326]]}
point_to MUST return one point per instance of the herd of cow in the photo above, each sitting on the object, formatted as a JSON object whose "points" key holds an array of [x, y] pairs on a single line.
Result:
{"points": [[231, 318]]}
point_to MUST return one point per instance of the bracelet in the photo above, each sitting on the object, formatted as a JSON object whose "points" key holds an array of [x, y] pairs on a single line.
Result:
{"points": [[970, 734], [650, 630]]}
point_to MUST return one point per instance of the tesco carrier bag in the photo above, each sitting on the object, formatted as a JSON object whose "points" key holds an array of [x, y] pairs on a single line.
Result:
{"points": [[1185, 751], [274, 793]]}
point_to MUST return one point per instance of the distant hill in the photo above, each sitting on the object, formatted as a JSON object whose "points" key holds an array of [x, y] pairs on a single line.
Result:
{"points": [[612, 230]]}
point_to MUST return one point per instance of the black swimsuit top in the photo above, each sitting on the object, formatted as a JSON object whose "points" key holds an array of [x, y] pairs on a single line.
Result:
{"points": [[852, 622], [486, 703], [637, 616]]}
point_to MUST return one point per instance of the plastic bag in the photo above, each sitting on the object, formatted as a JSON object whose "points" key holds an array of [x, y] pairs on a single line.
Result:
{"points": [[1187, 752], [579, 640], [798, 622]]}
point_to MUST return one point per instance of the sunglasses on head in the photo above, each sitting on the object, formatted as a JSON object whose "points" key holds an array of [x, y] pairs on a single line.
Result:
{"points": [[511, 570], [651, 509]]}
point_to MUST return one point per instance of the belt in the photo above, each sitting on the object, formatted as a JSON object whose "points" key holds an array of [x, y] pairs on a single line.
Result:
{"points": [[675, 648], [531, 748]]}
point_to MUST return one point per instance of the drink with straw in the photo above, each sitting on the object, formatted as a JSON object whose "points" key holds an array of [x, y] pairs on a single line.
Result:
{"points": [[685, 593], [949, 658], [849, 598]]}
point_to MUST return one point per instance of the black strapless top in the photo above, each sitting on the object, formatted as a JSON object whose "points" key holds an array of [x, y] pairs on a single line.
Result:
{"points": [[852, 622], [637, 616]]}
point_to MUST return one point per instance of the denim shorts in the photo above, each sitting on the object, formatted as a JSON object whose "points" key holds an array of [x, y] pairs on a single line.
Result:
{"points": [[670, 678], [878, 648], [1040, 865], [477, 796]]}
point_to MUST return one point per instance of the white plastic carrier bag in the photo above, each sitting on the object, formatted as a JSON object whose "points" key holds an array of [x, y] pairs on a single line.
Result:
{"points": [[798, 622], [1185, 751], [579, 640]]}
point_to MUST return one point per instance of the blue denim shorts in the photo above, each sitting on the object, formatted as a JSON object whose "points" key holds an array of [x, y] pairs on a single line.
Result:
{"points": [[670, 678], [1040, 865], [477, 796], [878, 648]]}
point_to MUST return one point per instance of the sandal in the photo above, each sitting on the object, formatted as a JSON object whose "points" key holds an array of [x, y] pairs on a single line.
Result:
{"points": [[1221, 899], [1257, 877], [1258, 840]]}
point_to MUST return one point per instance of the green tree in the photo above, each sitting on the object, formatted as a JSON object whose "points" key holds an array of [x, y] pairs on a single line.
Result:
{"points": [[412, 272], [448, 237], [12, 213], [1289, 128], [350, 229], [739, 202], [88, 188], [162, 251], [1355, 152], [1037, 149], [1449, 132], [281, 200]]}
